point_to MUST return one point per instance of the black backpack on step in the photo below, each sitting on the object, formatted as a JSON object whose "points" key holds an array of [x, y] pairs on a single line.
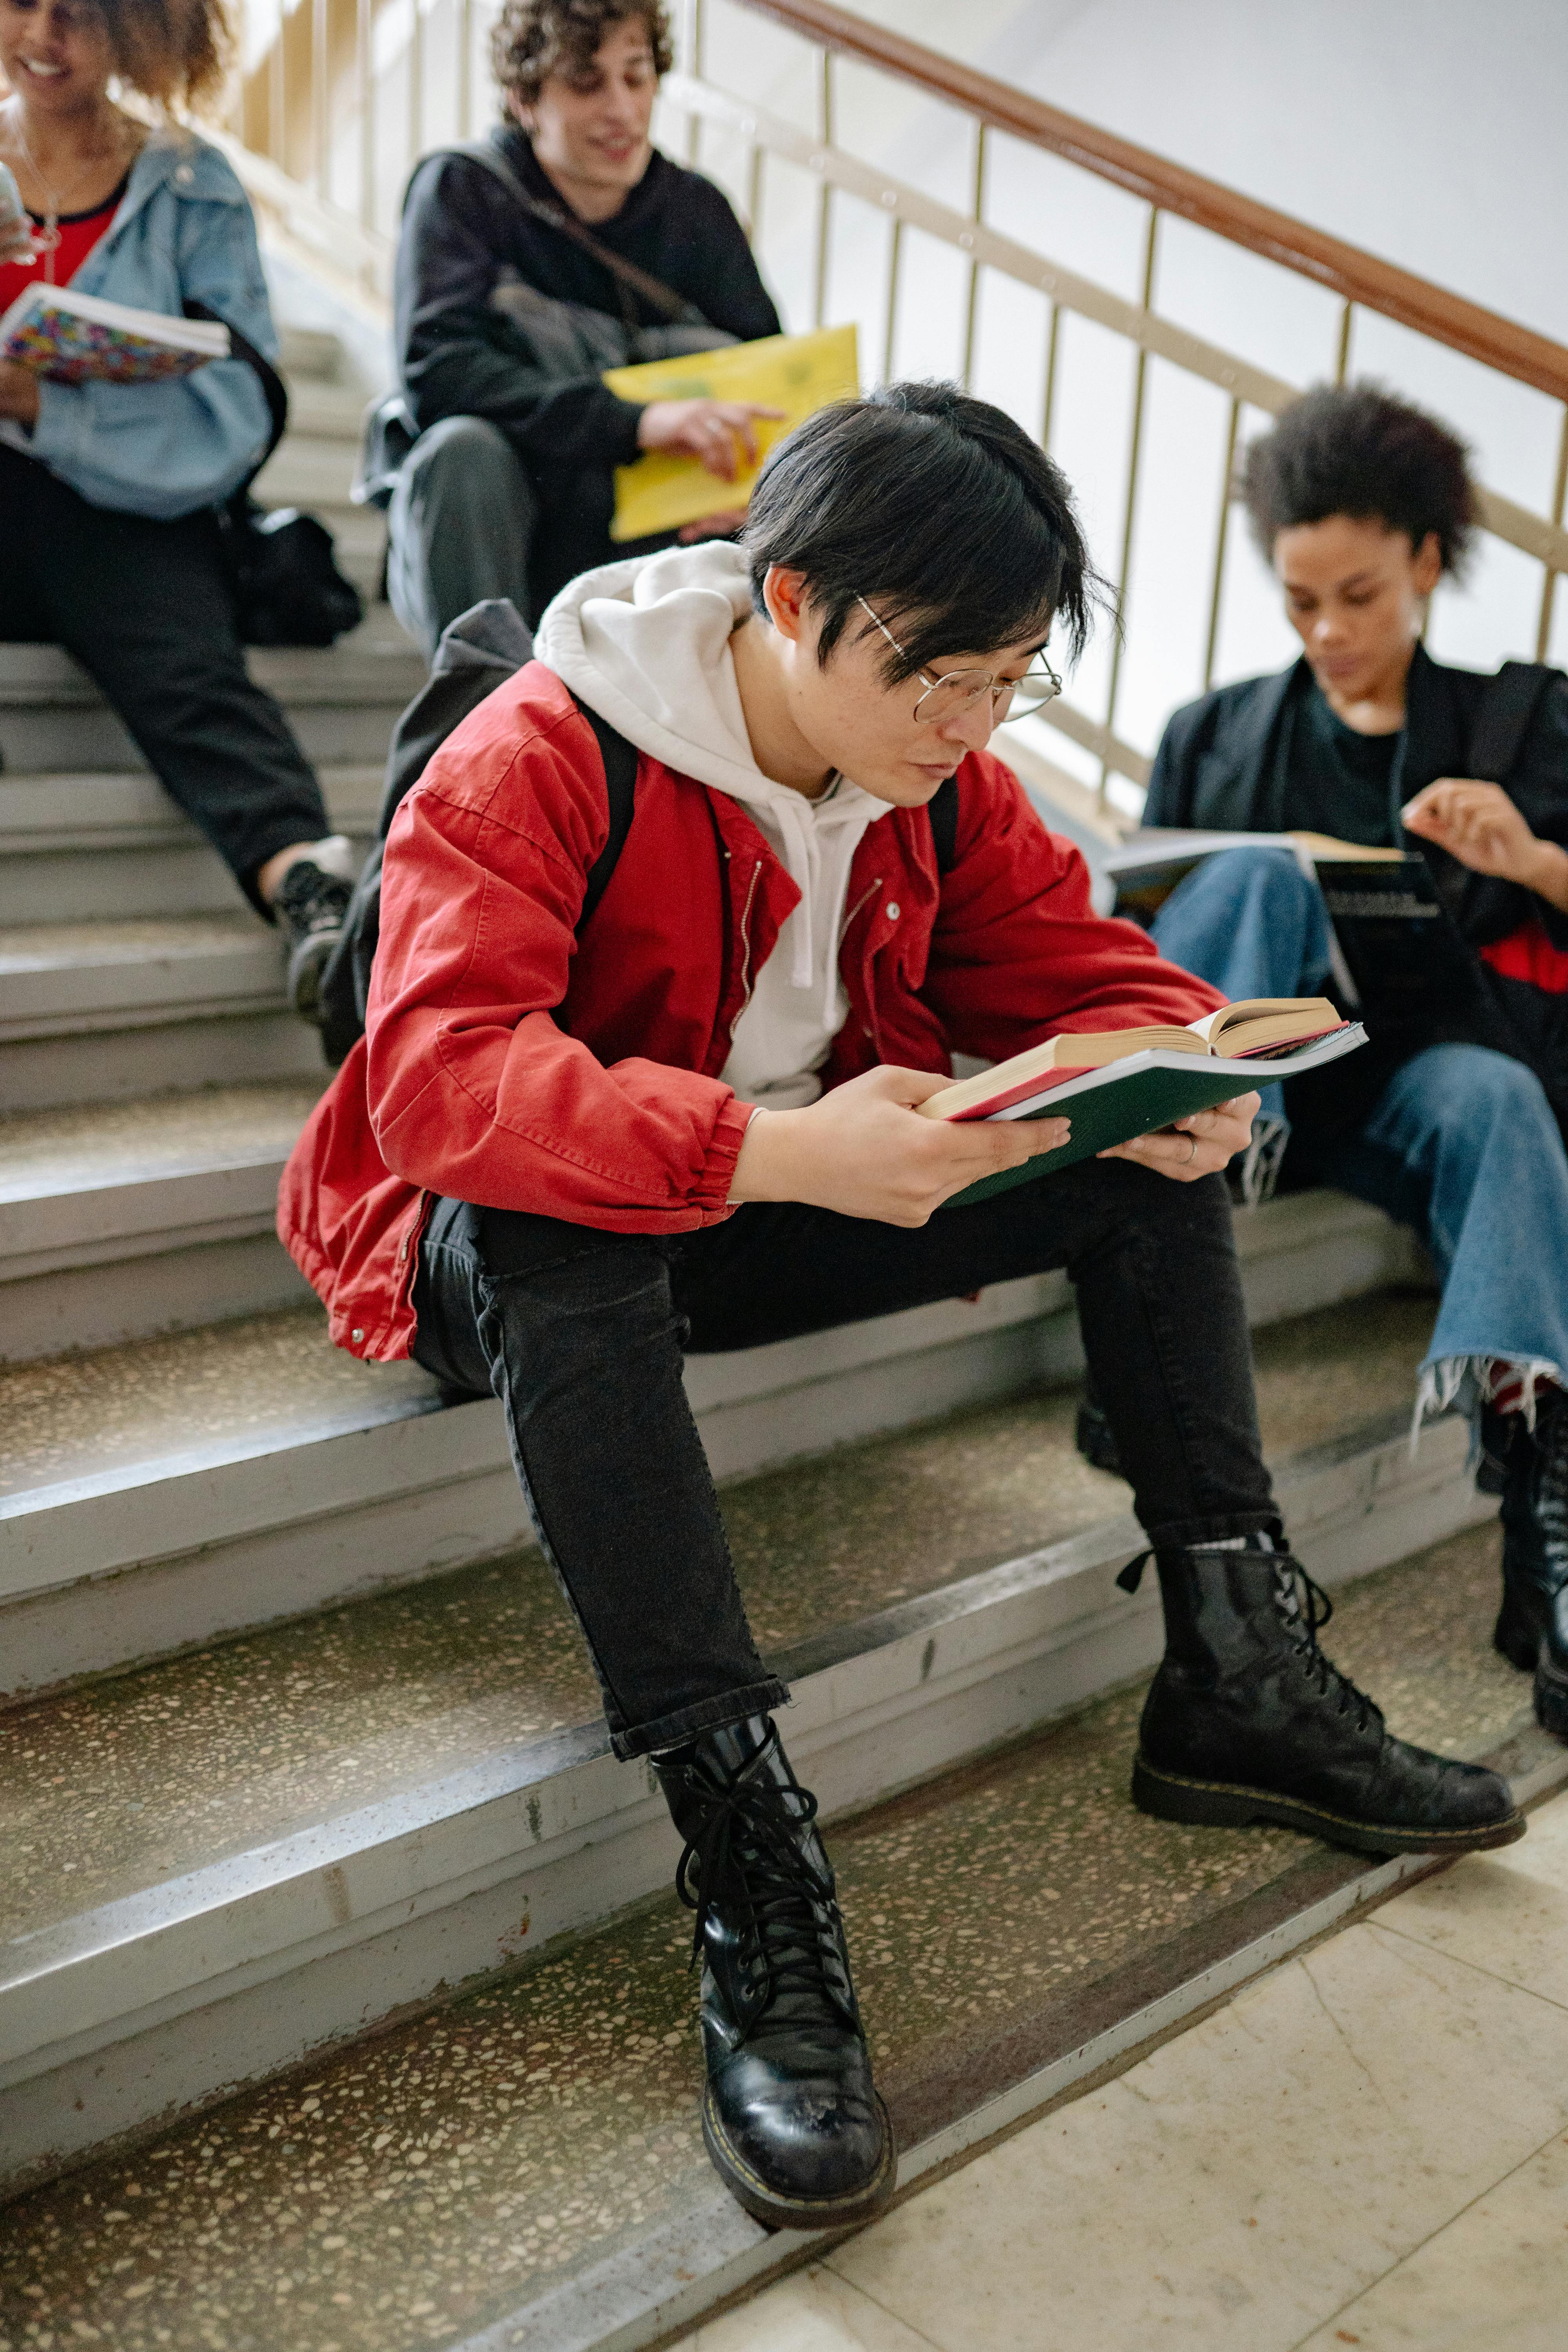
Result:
{"points": [[478, 652]]}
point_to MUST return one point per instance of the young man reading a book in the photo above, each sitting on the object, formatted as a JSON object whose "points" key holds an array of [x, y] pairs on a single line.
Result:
{"points": [[506, 315], [1362, 503], [561, 1158]]}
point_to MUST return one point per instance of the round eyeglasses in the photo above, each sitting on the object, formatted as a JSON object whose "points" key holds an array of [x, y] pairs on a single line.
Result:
{"points": [[961, 689]]}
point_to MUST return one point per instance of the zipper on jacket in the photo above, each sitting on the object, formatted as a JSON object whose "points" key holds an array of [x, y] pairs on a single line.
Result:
{"points": [[746, 950]]}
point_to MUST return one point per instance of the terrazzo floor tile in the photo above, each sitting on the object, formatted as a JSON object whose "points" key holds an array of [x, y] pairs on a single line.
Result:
{"points": [[1495, 2280], [1505, 1913], [1245, 2180], [816, 2310], [416, 2186], [91, 1144], [106, 1790]]}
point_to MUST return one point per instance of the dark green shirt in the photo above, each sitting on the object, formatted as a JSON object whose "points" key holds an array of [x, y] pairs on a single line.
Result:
{"points": [[1336, 780]]}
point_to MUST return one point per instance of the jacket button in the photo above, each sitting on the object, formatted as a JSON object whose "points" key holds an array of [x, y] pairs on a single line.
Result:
{"points": [[356, 1334], [892, 910], [185, 175]]}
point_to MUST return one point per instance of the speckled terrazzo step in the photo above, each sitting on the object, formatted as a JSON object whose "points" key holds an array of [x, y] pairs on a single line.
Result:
{"points": [[342, 700], [98, 1011], [120, 1219], [227, 1860], [523, 2163], [106, 847], [246, 1474]]}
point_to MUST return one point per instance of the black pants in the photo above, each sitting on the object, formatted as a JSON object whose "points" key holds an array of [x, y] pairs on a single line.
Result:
{"points": [[582, 1335], [145, 608]]}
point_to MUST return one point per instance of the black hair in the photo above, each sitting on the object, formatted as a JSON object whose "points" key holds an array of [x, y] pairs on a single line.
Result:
{"points": [[939, 510], [1354, 449]]}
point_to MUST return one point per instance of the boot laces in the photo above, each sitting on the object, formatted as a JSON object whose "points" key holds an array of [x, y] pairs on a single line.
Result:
{"points": [[1552, 1482], [790, 1927], [1305, 1608]]}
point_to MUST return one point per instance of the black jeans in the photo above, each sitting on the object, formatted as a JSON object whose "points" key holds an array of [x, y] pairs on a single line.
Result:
{"points": [[582, 1335], [145, 608]]}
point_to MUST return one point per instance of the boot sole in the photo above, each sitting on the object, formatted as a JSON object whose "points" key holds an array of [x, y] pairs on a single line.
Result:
{"points": [[778, 2211], [1221, 1804]]}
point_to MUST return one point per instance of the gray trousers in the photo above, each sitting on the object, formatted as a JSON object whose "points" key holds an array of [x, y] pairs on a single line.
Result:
{"points": [[461, 524]]}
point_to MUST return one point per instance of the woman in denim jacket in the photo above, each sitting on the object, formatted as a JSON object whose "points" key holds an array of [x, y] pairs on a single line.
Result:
{"points": [[107, 491]]}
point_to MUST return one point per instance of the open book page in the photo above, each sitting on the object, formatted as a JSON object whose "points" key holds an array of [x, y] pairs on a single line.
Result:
{"points": [[71, 338], [796, 374], [1254, 1023]]}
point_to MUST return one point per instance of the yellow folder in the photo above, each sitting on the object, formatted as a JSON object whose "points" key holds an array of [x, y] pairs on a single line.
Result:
{"points": [[798, 374]]}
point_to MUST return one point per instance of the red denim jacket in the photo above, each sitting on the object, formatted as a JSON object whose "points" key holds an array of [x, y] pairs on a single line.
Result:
{"points": [[510, 1062]]}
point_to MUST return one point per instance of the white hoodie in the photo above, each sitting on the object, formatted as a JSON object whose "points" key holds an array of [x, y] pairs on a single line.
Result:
{"points": [[646, 644]]}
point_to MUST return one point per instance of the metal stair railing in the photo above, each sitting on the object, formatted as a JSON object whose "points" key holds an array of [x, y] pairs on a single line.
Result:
{"points": [[391, 125]]}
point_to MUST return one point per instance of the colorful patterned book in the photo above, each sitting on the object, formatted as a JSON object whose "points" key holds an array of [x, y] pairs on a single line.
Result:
{"points": [[73, 337]]}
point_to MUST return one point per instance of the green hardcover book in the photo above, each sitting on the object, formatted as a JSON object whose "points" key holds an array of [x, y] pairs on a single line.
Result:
{"points": [[1128, 1096]]}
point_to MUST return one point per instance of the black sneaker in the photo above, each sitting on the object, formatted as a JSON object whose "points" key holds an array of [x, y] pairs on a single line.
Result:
{"points": [[310, 907]]}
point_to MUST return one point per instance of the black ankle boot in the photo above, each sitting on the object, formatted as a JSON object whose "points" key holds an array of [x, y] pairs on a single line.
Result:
{"points": [[1532, 1623], [1248, 1721], [789, 2113]]}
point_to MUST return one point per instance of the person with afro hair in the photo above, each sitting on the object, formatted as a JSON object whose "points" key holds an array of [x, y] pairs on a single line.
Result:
{"points": [[1362, 503]]}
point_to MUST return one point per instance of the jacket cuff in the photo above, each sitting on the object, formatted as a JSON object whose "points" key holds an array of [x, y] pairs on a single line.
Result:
{"points": [[711, 1191], [64, 426], [622, 419]]}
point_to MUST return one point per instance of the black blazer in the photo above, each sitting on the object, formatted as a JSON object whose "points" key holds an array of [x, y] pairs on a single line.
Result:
{"points": [[1217, 766]]}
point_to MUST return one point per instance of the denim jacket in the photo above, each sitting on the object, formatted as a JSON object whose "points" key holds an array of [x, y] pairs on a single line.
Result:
{"points": [[184, 232]]}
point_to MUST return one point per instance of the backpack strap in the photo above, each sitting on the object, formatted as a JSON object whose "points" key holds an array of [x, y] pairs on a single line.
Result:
{"points": [[620, 759], [943, 808], [1505, 717]]}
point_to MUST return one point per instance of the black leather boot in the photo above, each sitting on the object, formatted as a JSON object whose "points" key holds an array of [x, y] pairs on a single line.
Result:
{"points": [[789, 2113], [1535, 1542], [1248, 1721]]}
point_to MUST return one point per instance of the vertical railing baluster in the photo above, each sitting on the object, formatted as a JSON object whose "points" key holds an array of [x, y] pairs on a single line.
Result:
{"points": [[755, 193], [1225, 485], [895, 256], [465, 66], [363, 29], [692, 48], [320, 69], [1342, 356], [1140, 379], [972, 302], [277, 96], [416, 86], [1549, 585], [824, 195], [1048, 403]]}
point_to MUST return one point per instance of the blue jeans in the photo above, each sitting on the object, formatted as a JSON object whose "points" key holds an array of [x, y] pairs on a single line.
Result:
{"points": [[1461, 1144]]}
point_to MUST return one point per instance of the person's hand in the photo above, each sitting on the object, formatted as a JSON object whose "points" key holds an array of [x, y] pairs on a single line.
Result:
{"points": [[1195, 1146], [723, 525], [863, 1151], [1478, 824], [721, 434], [18, 392]]}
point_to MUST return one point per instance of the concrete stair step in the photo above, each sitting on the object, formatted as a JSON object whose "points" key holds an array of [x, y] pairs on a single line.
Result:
{"points": [[84, 848], [323, 411], [522, 2163], [117, 1221], [341, 699], [311, 355], [107, 1011], [156, 1495]]}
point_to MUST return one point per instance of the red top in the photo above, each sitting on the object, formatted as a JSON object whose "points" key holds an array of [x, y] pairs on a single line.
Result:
{"points": [[78, 233], [511, 1063], [1528, 954]]}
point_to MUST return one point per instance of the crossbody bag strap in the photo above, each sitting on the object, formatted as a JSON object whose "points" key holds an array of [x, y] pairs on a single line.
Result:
{"points": [[671, 306], [274, 391]]}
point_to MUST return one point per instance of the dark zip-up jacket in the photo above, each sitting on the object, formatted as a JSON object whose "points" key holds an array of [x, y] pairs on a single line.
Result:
{"points": [[457, 356]]}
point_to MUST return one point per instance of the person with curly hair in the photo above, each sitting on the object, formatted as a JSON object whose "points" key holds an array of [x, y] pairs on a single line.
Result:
{"points": [[1362, 503], [108, 490], [562, 244]]}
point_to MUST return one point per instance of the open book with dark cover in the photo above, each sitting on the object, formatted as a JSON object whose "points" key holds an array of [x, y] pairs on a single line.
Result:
{"points": [[1405, 956], [1116, 1084], [1148, 865]]}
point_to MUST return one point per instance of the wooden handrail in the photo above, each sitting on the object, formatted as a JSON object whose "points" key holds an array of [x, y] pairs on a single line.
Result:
{"points": [[1357, 277]]}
